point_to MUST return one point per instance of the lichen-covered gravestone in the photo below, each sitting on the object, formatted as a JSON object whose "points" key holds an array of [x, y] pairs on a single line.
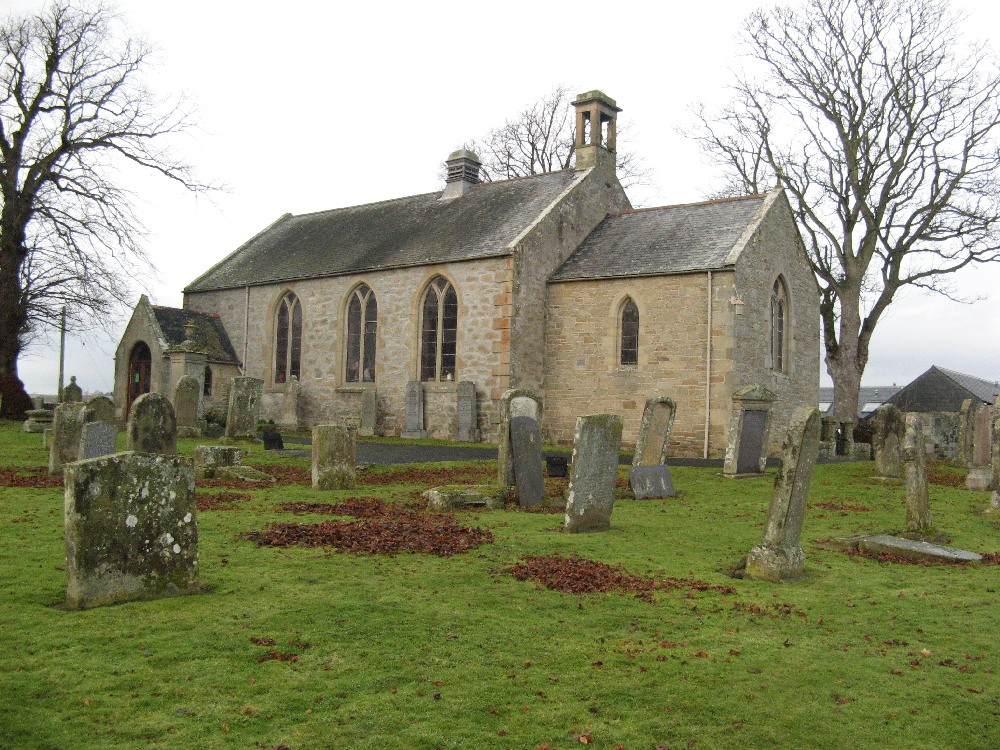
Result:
{"points": [[596, 444], [746, 450], [152, 426], [67, 427], [995, 457], [468, 412], [290, 405], [518, 402], [72, 393], [98, 439], [244, 408], [526, 450], [414, 425], [980, 475], [102, 408], [889, 430], [333, 452], [186, 398], [779, 557], [131, 531], [369, 412], [918, 508], [649, 476]]}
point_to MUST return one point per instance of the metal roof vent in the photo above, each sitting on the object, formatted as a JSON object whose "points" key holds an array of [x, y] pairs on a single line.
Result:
{"points": [[463, 172]]}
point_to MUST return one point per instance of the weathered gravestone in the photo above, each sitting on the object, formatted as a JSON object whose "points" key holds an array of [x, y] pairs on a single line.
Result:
{"points": [[98, 439], [779, 557], [290, 406], [414, 427], [72, 393], [272, 440], [918, 508], [963, 453], [649, 476], [649, 482], [152, 426], [369, 412], [209, 458], [333, 456], [518, 402], [67, 426], [244, 408], [38, 420], [596, 444], [746, 450], [131, 531], [526, 454], [468, 412], [995, 457], [888, 432], [980, 474], [102, 409], [187, 396]]}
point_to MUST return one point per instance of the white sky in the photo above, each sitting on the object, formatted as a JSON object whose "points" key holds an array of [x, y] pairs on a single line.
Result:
{"points": [[305, 106]]}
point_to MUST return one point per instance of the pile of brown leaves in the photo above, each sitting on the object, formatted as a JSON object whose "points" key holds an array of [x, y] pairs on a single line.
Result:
{"points": [[32, 476], [359, 507], [220, 501], [429, 477], [989, 558], [940, 472], [841, 507]]}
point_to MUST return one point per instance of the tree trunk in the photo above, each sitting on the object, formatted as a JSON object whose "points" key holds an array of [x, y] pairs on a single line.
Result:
{"points": [[845, 361], [15, 399]]}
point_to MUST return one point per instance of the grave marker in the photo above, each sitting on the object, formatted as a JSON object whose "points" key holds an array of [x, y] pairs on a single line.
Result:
{"points": [[596, 444], [72, 393], [369, 412], [649, 476], [518, 402], [290, 406], [746, 451], [918, 509], [414, 411], [333, 456], [889, 430], [980, 475], [102, 409], [468, 412], [152, 426], [187, 397], [98, 439], [244, 408], [526, 454], [67, 427]]}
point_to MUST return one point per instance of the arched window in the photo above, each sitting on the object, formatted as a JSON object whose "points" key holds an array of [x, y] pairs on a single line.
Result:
{"points": [[779, 326], [628, 328], [288, 339], [438, 331], [140, 366], [207, 389], [362, 323]]}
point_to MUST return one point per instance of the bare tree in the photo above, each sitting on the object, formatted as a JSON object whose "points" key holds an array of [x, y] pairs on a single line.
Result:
{"points": [[73, 115], [541, 139], [882, 129]]}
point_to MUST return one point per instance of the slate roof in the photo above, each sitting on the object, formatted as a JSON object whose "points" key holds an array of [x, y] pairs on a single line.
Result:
{"points": [[867, 395], [943, 390], [209, 335], [669, 239], [408, 231]]}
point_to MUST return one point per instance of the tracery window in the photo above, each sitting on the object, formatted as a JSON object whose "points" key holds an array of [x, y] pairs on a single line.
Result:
{"points": [[288, 339], [362, 325], [779, 326], [438, 331], [628, 328]]}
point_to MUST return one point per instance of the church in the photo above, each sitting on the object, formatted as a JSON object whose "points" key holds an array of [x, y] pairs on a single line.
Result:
{"points": [[551, 283]]}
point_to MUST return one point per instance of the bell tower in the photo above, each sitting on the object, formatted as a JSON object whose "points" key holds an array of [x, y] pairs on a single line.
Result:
{"points": [[596, 125]]}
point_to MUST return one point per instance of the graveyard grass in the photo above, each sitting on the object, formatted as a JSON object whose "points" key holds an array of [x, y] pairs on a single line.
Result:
{"points": [[415, 651]]}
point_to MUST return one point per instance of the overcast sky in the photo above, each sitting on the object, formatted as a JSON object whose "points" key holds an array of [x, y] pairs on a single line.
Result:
{"points": [[305, 106]]}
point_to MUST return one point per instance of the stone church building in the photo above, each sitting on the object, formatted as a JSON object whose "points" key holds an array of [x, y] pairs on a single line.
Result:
{"points": [[550, 282]]}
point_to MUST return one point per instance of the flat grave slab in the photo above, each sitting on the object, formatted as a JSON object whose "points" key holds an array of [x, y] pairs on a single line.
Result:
{"points": [[913, 549]]}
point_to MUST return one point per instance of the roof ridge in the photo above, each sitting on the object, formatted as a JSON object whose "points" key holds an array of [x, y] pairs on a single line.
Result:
{"points": [[364, 205], [521, 177], [689, 205]]}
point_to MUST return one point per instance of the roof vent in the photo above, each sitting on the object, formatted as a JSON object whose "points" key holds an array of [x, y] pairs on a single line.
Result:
{"points": [[463, 172]]}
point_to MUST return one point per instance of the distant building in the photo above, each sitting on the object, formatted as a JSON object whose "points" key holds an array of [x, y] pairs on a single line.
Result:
{"points": [[869, 399]]}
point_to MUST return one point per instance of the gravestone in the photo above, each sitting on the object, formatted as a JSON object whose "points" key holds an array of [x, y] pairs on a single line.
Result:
{"points": [[651, 482], [244, 408], [468, 412], [414, 411], [526, 454], [995, 457], [103, 409], [272, 440], [596, 444], [654, 433], [131, 530], [187, 396], [965, 429], [746, 450], [888, 432], [152, 426], [779, 556], [67, 427], [38, 420], [333, 452], [209, 458], [290, 405], [557, 466], [369, 412], [517, 402], [98, 439], [980, 474], [918, 509], [72, 393]]}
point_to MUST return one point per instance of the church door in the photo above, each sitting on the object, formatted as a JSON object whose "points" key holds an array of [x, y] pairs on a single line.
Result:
{"points": [[140, 363]]}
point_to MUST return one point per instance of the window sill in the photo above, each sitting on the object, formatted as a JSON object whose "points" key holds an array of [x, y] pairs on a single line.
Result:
{"points": [[355, 387], [627, 368], [434, 386]]}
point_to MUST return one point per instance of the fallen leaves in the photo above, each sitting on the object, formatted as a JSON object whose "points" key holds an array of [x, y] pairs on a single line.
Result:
{"points": [[36, 477], [220, 501]]}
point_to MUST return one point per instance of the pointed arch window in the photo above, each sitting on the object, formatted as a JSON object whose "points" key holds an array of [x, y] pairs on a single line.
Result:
{"points": [[779, 326], [288, 339], [628, 339], [207, 388], [362, 326], [438, 331]]}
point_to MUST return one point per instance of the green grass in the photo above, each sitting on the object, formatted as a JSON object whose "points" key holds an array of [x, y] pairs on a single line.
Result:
{"points": [[422, 652]]}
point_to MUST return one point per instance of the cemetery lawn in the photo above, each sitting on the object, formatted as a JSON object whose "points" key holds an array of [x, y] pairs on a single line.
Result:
{"points": [[304, 648]]}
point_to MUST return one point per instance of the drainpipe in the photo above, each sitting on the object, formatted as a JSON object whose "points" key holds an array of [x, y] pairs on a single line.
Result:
{"points": [[708, 367], [246, 332]]}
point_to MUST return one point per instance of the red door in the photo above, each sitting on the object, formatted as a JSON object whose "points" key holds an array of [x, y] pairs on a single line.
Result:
{"points": [[140, 363]]}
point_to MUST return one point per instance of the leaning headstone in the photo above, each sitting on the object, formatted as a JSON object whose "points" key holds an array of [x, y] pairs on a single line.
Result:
{"points": [[67, 426], [596, 444], [468, 412], [98, 439], [980, 476], [518, 402], [918, 509], [72, 393], [244, 408], [103, 409], [746, 450], [526, 450], [208, 459], [654, 433], [414, 411], [131, 531], [651, 482], [888, 432], [290, 407], [779, 557], [186, 398], [333, 456], [152, 426], [369, 412]]}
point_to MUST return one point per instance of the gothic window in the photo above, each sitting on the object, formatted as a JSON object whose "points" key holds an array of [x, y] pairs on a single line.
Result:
{"points": [[207, 388], [288, 339], [628, 327], [779, 326], [438, 331], [362, 324]]}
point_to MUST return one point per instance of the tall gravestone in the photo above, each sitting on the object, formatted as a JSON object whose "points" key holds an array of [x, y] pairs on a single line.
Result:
{"points": [[596, 444], [888, 432], [98, 439], [468, 412], [72, 393], [779, 556], [152, 426], [746, 450], [526, 453], [517, 402], [649, 476], [244, 408], [369, 413], [414, 426], [918, 509], [102, 409], [67, 427], [980, 474], [187, 396], [333, 456], [131, 529], [965, 429], [290, 404], [995, 457]]}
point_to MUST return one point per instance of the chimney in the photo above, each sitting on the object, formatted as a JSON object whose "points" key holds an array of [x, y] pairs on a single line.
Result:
{"points": [[463, 172], [596, 126]]}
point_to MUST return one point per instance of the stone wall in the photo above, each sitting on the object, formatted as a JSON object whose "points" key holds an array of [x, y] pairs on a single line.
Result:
{"points": [[941, 430]]}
